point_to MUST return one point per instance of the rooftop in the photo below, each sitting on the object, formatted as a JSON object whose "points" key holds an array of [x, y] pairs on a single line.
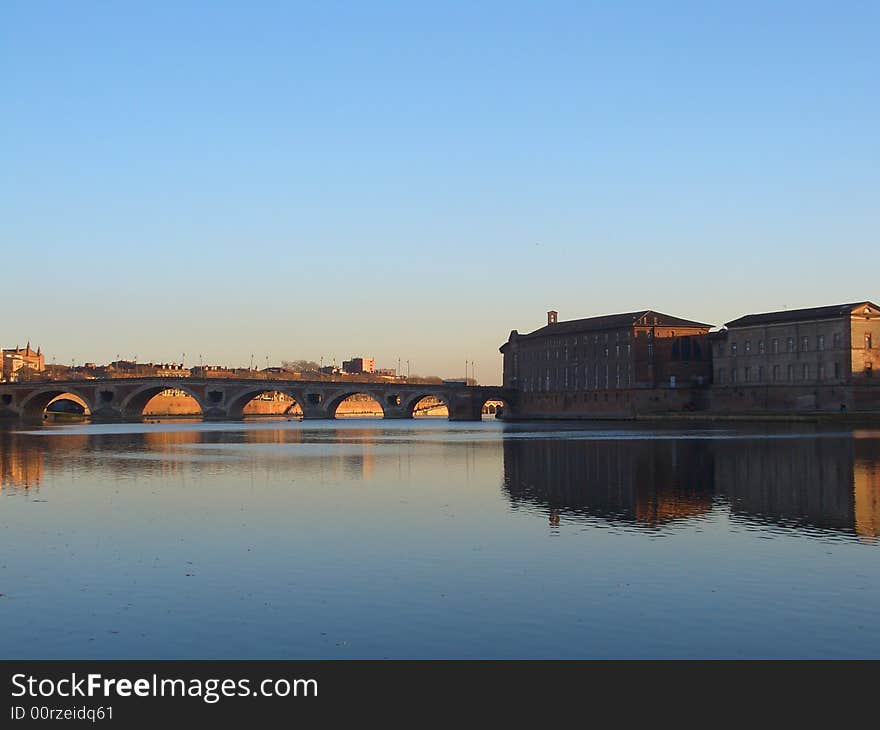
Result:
{"points": [[797, 315], [646, 317]]}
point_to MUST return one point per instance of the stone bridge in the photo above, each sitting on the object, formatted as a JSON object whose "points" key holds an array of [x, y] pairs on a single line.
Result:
{"points": [[124, 399]]}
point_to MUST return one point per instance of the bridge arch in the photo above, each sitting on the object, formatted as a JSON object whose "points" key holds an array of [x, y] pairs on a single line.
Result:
{"points": [[333, 403], [494, 406], [238, 406], [414, 403], [135, 404], [35, 405]]}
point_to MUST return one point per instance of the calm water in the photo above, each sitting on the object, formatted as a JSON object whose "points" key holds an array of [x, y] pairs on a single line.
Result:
{"points": [[371, 539]]}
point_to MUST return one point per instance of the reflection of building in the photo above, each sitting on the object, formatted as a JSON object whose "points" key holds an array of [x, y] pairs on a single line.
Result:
{"points": [[21, 361], [866, 488], [21, 466], [826, 482], [359, 365], [647, 482]]}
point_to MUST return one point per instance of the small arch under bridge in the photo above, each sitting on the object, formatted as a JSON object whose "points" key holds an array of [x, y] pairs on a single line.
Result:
{"points": [[124, 399]]}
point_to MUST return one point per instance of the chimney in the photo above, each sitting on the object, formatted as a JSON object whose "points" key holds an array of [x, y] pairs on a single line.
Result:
{"points": [[551, 316]]}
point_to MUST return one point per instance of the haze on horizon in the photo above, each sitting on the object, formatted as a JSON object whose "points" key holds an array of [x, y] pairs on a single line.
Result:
{"points": [[397, 180]]}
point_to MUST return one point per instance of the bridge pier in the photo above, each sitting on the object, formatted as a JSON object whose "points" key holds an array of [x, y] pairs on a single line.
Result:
{"points": [[466, 407]]}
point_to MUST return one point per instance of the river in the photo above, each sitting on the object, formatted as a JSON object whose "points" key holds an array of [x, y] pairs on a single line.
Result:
{"points": [[428, 539]]}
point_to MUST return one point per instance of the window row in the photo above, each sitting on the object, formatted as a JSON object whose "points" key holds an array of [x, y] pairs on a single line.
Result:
{"points": [[577, 378], [563, 353], [801, 371], [804, 345]]}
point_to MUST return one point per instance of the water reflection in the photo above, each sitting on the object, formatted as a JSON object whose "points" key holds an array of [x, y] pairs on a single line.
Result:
{"points": [[374, 539], [826, 482]]}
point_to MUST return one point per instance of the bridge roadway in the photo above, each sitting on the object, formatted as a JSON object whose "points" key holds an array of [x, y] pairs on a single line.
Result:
{"points": [[124, 399]]}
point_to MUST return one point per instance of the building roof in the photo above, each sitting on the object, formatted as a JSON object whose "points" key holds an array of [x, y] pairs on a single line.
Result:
{"points": [[614, 321], [798, 315]]}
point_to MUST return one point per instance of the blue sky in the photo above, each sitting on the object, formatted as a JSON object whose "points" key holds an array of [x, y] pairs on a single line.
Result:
{"points": [[415, 180]]}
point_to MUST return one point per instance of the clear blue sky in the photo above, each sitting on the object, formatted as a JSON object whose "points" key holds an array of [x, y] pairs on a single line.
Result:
{"points": [[415, 180]]}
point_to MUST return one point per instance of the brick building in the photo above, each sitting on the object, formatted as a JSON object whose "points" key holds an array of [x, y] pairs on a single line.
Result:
{"points": [[359, 365], [607, 363], [20, 360], [821, 358], [815, 359]]}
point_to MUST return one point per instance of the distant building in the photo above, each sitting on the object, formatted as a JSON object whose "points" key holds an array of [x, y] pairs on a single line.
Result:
{"points": [[359, 365], [22, 360], [129, 368]]}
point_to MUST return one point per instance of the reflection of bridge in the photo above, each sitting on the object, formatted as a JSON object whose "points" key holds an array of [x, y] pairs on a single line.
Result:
{"points": [[222, 398]]}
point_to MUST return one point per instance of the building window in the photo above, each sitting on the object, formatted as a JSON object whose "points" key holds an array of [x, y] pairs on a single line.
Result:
{"points": [[805, 344], [748, 374], [720, 349], [732, 349], [790, 373], [836, 340], [747, 347], [760, 373], [789, 344], [774, 346], [732, 375], [867, 340], [650, 352], [720, 375], [805, 375], [837, 371], [776, 373], [820, 372], [820, 342], [760, 347]]}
